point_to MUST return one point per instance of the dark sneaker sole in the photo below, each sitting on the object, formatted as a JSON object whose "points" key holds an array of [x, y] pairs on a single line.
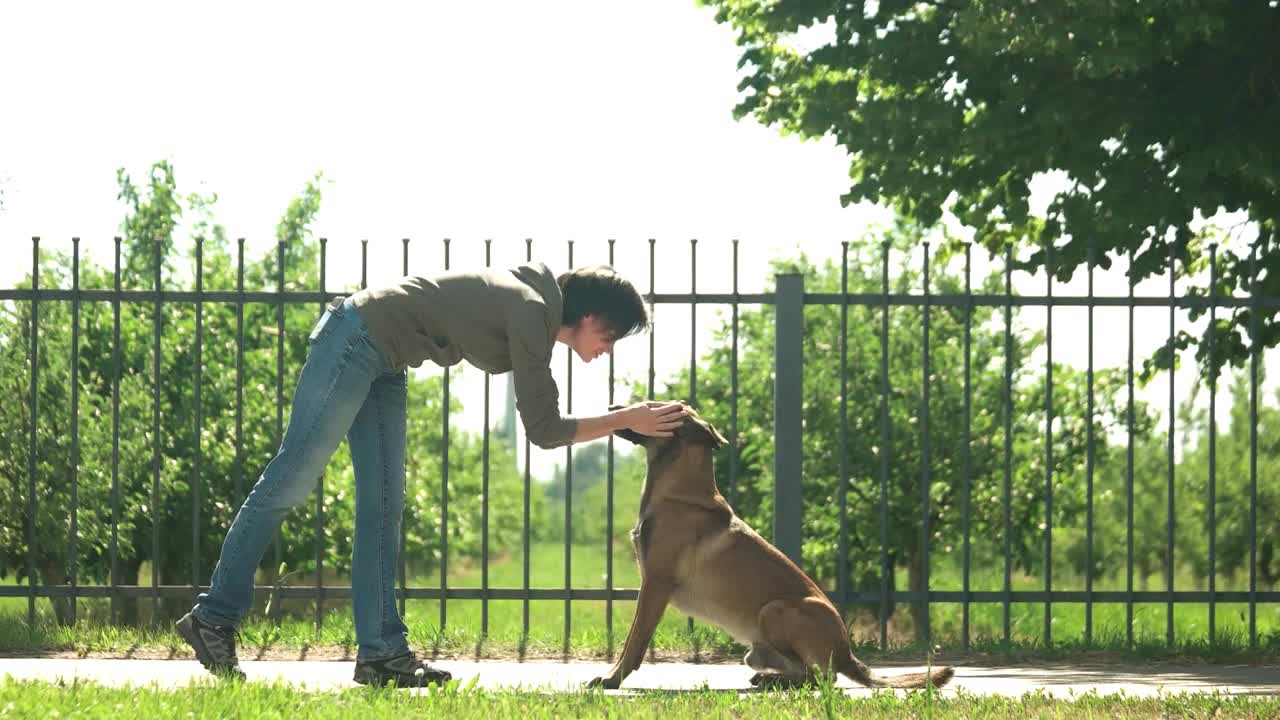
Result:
{"points": [[373, 678], [188, 632]]}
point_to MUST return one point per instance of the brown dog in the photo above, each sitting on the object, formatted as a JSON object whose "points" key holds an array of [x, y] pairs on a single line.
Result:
{"points": [[697, 555]]}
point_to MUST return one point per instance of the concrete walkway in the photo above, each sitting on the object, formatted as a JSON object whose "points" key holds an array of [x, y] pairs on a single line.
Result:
{"points": [[1061, 680]]}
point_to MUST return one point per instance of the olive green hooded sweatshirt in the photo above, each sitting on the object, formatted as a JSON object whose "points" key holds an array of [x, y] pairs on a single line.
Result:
{"points": [[497, 320]]}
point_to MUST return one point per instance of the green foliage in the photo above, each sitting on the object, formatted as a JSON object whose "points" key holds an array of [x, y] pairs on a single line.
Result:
{"points": [[590, 494], [466, 496], [1154, 112], [53, 452], [1232, 477]]}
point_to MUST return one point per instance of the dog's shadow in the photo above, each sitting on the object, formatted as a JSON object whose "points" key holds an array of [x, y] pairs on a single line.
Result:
{"points": [[707, 690], [683, 692]]}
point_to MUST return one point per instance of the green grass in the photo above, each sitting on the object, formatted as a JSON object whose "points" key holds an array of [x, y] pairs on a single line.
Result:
{"points": [[588, 636], [253, 700]]}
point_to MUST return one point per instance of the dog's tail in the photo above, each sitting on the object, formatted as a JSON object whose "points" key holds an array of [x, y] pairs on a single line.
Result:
{"points": [[856, 670]]}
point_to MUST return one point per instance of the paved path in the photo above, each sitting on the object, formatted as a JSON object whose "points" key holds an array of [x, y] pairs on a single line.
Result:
{"points": [[1056, 679]]}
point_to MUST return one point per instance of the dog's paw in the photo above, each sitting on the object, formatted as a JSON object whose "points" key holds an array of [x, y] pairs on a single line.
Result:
{"points": [[778, 681], [606, 683]]}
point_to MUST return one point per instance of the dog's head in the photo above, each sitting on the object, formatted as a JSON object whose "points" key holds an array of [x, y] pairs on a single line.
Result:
{"points": [[693, 431]]}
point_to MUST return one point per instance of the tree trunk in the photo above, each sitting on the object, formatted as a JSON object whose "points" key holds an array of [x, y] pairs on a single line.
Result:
{"points": [[125, 610], [1266, 553], [52, 572], [870, 582], [173, 607], [919, 607]]}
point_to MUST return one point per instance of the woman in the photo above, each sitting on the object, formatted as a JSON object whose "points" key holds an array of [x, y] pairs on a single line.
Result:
{"points": [[354, 384]]}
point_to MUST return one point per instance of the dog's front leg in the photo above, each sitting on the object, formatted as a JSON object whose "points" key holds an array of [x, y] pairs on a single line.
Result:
{"points": [[655, 593]]}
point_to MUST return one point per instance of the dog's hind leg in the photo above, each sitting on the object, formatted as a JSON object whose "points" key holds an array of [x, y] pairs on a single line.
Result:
{"points": [[763, 657], [773, 668], [813, 631], [775, 656]]}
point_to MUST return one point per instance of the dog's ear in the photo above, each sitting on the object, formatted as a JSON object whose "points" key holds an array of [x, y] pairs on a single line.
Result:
{"points": [[696, 429], [628, 434], [633, 437]]}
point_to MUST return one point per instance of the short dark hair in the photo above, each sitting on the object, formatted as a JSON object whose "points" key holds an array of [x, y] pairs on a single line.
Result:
{"points": [[600, 291]]}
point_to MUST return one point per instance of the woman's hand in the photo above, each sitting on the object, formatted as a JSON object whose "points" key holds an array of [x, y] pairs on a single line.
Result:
{"points": [[656, 419]]}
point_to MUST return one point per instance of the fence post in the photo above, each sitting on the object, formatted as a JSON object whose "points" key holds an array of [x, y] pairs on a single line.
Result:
{"points": [[788, 366]]}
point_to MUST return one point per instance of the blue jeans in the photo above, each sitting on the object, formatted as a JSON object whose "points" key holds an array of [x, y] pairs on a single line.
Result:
{"points": [[346, 388]]}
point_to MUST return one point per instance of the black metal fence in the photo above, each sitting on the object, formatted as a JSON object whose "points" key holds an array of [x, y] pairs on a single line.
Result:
{"points": [[789, 299]]}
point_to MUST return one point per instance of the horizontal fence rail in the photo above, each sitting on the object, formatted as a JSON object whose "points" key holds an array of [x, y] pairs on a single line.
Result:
{"points": [[788, 303]]}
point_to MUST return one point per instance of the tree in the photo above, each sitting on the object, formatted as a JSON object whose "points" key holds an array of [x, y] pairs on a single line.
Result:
{"points": [[821, 483], [590, 464], [157, 472], [590, 493], [423, 546], [54, 459], [1155, 112], [1232, 495]]}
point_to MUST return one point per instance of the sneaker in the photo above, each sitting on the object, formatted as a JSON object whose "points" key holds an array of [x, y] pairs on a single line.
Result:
{"points": [[401, 671], [215, 646]]}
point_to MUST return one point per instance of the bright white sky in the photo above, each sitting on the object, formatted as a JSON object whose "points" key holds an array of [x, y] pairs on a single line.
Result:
{"points": [[581, 120]]}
